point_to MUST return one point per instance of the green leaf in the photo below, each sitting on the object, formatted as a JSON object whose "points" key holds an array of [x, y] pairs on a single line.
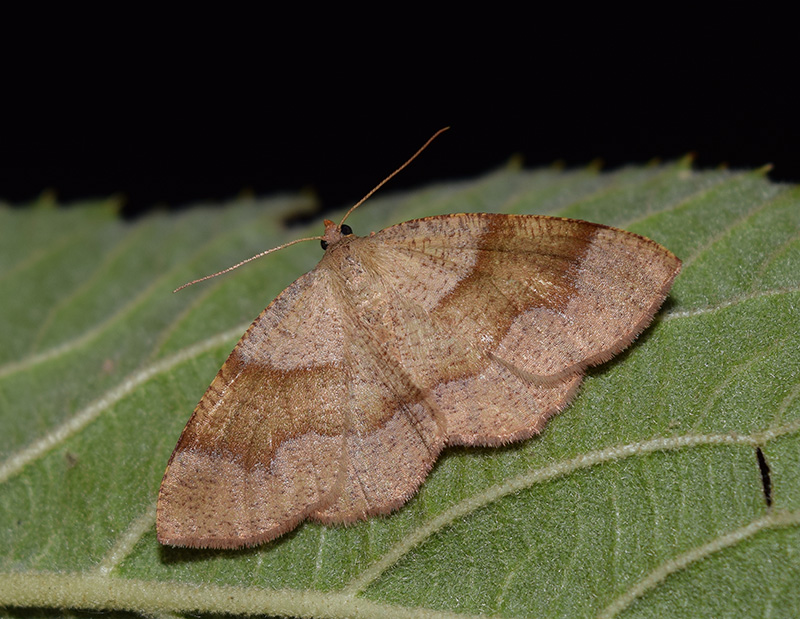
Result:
{"points": [[644, 498]]}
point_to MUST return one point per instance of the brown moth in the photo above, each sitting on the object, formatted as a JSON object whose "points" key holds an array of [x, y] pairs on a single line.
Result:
{"points": [[469, 329]]}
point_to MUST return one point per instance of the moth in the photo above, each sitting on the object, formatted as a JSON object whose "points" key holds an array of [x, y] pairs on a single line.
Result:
{"points": [[468, 329]]}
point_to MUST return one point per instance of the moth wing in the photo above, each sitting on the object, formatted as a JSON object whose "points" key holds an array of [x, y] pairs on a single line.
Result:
{"points": [[264, 447], [394, 430], [524, 304]]}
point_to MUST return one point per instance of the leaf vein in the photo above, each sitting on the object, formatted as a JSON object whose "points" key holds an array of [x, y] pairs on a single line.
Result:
{"points": [[556, 470]]}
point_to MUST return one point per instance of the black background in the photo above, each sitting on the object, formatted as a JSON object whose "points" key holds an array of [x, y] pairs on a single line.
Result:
{"points": [[174, 115]]}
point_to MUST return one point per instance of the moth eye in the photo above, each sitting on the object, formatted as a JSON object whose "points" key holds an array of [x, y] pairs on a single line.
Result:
{"points": [[324, 244]]}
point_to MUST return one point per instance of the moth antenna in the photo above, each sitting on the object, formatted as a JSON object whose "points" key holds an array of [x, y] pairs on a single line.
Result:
{"points": [[320, 238], [385, 180], [250, 259]]}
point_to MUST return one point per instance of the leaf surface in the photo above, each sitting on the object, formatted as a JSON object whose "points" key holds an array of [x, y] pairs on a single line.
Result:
{"points": [[644, 498]]}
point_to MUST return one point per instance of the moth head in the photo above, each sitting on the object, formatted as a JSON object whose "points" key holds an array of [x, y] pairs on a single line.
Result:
{"points": [[334, 233]]}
